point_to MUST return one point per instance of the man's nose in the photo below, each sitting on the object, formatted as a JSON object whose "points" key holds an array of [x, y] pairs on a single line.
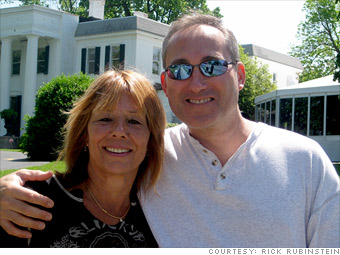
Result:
{"points": [[197, 80]]}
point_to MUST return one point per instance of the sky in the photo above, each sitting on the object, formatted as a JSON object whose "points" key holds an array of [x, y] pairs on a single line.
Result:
{"points": [[271, 24]]}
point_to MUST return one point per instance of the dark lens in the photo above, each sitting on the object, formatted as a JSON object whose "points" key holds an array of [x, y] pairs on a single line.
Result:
{"points": [[179, 72], [214, 68]]}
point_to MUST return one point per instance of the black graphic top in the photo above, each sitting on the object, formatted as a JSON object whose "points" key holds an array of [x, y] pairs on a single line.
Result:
{"points": [[74, 226]]}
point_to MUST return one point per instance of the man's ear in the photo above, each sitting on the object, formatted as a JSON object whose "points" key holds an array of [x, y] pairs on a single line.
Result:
{"points": [[241, 75], [163, 82]]}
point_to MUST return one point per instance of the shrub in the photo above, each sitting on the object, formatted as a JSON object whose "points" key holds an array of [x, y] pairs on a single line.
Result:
{"points": [[169, 125], [43, 135]]}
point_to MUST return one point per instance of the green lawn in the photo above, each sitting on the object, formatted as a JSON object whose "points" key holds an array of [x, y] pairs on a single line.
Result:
{"points": [[52, 166], [17, 150]]}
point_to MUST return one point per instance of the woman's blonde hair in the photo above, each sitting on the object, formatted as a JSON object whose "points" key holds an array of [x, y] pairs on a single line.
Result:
{"points": [[103, 94]]}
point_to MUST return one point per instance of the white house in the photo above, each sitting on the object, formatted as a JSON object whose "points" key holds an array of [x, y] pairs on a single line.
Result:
{"points": [[311, 108], [39, 43], [284, 68]]}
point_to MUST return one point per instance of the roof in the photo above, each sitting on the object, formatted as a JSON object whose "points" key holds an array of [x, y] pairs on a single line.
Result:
{"points": [[324, 85], [319, 82], [254, 50], [120, 25]]}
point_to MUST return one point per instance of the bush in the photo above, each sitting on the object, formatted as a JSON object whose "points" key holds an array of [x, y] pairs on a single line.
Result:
{"points": [[43, 135], [170, 125]]}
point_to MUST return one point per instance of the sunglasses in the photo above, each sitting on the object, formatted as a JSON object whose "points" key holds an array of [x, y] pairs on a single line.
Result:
{"points": [[208, 69]]}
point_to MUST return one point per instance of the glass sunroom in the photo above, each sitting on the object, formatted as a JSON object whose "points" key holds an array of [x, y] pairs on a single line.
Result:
{"points": [[311, 108]]}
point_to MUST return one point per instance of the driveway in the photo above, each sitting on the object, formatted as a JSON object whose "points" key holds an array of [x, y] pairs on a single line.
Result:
{"points": [[16, 160]]}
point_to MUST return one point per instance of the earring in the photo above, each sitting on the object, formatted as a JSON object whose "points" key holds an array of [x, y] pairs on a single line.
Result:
{"points": [[85, 148]]}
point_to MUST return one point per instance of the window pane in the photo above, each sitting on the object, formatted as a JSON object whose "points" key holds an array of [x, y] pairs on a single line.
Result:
{"points": [[156, 54], [41, 60], [333, 115], [273, 113], [267, 112], [91, 56], [257, 112], [16, 68], [16, 56], [300, 115], [41, 66], [91, 67], [115, 52], [316, 115], [286, 113], [263, 110], [156, 64], [16, 59], [91, 61], [115, 57], [155, 68]]}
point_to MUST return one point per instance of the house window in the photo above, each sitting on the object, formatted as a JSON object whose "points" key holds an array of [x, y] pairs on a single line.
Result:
{"points": [[274, 78], [16, 59], [43, 54], [115, 56], [273, 112], [91, 58], [156, 61]]}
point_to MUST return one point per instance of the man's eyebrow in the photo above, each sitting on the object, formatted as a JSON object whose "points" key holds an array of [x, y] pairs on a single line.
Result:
{"points": [[208, 58], [179, 61], [185, 61]]}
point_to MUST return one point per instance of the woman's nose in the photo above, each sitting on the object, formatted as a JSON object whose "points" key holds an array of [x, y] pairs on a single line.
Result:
{"points": [[119, 130]]}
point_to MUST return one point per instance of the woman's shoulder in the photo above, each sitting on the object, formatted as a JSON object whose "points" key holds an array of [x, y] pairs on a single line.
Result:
{"points": [[54, 188]]}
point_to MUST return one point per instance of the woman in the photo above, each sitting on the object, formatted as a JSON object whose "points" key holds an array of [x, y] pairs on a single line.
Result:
{"points": [[113, 145]]}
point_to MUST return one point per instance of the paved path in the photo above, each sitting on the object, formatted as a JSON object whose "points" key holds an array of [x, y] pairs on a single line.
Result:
{"points": [[16, 160]]}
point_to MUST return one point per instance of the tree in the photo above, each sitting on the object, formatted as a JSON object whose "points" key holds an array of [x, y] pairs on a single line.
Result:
{"points": [[164, 11], [337, 62], [320, 39], [258, 82], [43, 135]]}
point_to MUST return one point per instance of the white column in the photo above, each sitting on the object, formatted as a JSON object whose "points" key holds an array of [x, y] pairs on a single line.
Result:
{"points": [[30, 80], [54, 67], [5, 75], [6, 64]]}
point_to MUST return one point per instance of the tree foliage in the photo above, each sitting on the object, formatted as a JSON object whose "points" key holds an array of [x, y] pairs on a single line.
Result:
{"points": [[164, 11], [43, 135], [319, 35], [337, 62], [258, 82]]}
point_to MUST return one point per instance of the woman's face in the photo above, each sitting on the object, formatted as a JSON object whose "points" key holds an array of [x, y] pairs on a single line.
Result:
{"points": [[117, 140]]}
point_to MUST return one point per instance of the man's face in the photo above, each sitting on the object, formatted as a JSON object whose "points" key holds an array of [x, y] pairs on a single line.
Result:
{"points": [[200, 101]]}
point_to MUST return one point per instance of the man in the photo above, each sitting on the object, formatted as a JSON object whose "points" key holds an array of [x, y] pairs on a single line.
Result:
{"points": [[227, 181]]}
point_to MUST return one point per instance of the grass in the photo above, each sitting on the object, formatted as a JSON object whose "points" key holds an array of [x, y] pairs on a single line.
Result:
{"points": [[52, 166], [16, 150]]}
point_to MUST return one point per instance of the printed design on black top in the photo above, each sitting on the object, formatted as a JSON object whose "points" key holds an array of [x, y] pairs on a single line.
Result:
{"points": [[103, 235]]}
